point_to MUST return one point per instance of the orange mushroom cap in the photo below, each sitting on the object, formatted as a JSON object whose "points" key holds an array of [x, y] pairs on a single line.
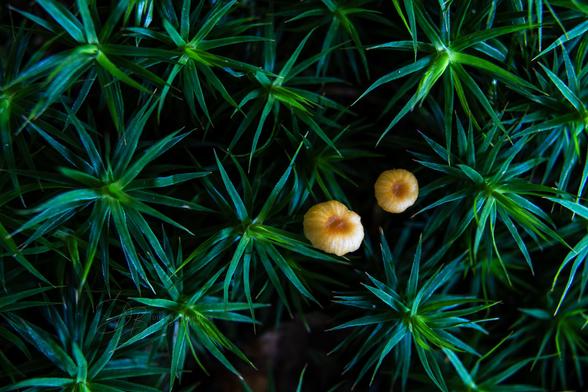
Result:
{"points": [[396, 190], [333, 228]]}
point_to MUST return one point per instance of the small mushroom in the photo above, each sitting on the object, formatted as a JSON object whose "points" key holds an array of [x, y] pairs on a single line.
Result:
{"points": [[333, 228], [396, 190]]}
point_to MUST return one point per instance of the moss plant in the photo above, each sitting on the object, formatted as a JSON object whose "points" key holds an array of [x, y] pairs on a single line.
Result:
{"points": [[222, 195]]}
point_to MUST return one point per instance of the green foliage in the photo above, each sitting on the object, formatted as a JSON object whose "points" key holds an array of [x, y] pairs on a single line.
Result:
{"points": [[446, 56], [84, 350], [398, 318], [489, 182], [109, 184], [92, 52], [158, 158], [187, 311], [192, 51], [259, 244]]}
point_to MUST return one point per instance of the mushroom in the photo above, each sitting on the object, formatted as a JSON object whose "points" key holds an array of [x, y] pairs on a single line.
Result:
{"points": [[396, 190], [333, 228]]}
